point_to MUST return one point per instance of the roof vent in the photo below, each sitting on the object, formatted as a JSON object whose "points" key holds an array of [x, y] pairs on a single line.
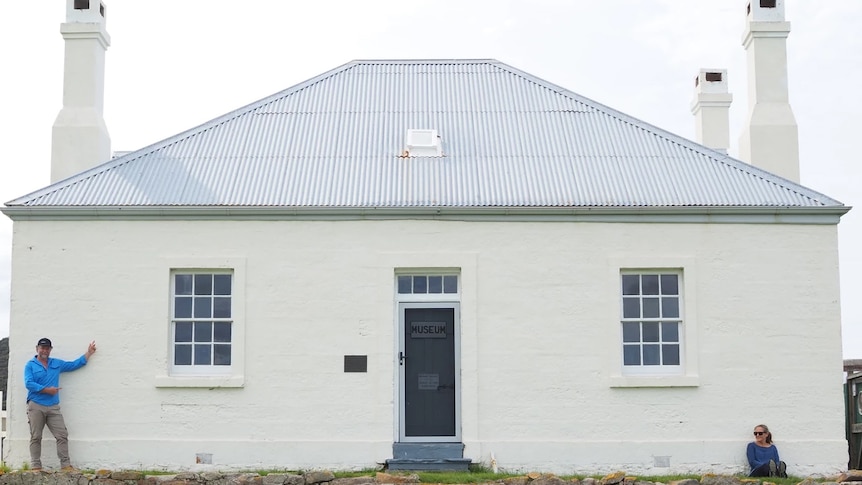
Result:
{"points": [[423, 143]]}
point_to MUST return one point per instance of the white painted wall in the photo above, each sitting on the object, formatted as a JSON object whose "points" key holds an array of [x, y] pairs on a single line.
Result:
{"points": [[539, 322]]}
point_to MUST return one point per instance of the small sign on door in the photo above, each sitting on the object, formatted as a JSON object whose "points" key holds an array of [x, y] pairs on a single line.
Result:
{"points": [[429, 382], [427, 329]]}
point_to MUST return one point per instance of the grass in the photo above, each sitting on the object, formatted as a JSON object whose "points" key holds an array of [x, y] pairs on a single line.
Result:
{"points": [[462, 477], [480, 474]]}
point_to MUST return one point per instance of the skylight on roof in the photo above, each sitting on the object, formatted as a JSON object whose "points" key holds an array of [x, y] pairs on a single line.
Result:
{"points": [[423, 143]]}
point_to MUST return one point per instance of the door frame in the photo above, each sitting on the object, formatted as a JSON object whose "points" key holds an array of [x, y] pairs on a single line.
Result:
{"points": [[456, 307]]}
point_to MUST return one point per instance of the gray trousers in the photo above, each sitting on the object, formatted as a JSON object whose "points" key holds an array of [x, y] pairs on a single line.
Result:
{"points": [[39, 416]]}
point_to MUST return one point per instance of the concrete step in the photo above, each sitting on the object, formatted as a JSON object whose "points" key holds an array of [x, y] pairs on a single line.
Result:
{"points": [[428, 456], [440, 451], [429, 464]]}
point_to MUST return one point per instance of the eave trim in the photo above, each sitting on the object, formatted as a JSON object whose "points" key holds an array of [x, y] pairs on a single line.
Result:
{"points": [[753, 215]]}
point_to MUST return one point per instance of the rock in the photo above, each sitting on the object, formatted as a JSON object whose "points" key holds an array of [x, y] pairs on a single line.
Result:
{"points": [[808, 481], [850, 476], [391, 478], [102, 473], [352, 481], [107, 481], [274, 479], [589, 481], [313, 477], [687, 481], [187, 476], [294, 479], [161, 478], [248, 479], [613, 478], [515, 481], [549, 480], [711, 479]]}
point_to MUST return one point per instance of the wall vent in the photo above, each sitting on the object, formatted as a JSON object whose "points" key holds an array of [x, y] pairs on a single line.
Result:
{"points": [[423, 143]]}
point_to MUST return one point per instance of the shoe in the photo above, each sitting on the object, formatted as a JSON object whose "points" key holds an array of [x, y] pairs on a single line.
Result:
{"points": [[773, 470], [782, 469], [69, 469]]}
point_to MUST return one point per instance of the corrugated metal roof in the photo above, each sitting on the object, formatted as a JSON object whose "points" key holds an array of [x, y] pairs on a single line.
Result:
{"points": [[509, 140]]}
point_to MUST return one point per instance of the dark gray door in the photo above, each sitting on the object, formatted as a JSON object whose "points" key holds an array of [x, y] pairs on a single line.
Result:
{"points": [[428, 358]]}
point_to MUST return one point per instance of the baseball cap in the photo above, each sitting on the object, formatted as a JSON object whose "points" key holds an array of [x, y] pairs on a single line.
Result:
{"points": [[46, 342]]}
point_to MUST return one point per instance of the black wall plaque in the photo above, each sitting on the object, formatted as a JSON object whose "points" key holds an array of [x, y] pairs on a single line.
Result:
{"points": [[355, 363]]}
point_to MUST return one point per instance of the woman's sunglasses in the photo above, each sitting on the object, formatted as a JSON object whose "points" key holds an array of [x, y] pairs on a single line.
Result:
{"points": [[758, 433]]}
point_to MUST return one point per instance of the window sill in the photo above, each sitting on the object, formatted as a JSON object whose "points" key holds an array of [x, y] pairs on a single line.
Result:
{"points": [[199, 381], [654, 381]]}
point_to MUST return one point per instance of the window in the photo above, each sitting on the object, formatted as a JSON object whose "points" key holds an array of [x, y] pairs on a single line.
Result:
{"points": [[202, 323], [427, 284], [652, 323]]}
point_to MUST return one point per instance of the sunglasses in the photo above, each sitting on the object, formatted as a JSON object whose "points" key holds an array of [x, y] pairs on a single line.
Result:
{"points": [[758, 433]]}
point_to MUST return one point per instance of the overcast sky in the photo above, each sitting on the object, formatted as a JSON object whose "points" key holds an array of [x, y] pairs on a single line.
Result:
{"points": [[174, 65]]}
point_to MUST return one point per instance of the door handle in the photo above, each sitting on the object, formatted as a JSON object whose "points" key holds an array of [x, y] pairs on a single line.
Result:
{"points": [[401, 358]]}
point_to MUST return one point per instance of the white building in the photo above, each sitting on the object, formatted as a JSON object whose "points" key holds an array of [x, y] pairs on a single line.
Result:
{"points": [[429, 262]]}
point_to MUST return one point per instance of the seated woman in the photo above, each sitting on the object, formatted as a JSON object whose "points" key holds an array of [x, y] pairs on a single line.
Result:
{"points": [[763, 455]]}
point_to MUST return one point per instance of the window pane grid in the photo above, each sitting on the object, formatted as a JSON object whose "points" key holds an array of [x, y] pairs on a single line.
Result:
{"points": [[202, 321], [651, 323], [651, 343], [427, 284]]}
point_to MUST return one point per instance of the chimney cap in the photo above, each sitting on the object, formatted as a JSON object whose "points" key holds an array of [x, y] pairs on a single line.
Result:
{"points": [[765, 11], [711, 81], [86, 11]]}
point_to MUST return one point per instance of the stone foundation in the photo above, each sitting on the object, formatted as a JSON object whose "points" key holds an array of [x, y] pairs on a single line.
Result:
{"points": [[107, 477]]}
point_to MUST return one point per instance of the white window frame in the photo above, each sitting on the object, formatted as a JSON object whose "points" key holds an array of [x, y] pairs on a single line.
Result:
{"points": [[227, 376], [192, 369], [660, 369], [684, 375]]}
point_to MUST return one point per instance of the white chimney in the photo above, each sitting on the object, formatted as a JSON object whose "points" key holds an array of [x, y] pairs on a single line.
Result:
{"points": [[80, 138], [770, 139], [711, 109]]}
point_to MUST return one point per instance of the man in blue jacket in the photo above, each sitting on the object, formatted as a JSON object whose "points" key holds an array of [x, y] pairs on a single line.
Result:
{"points": [[42, 379]]}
